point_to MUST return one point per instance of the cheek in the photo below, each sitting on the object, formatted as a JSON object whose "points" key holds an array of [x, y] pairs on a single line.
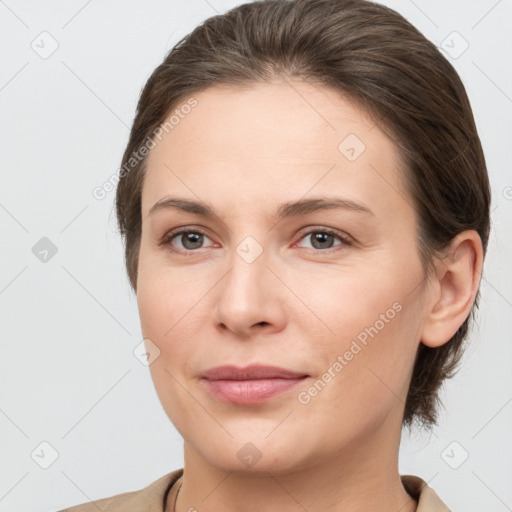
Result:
{"points": [[163, 298], [164, 320], [364, 380], [369, 341], [171, 316], [368, 302], [345, 305]]}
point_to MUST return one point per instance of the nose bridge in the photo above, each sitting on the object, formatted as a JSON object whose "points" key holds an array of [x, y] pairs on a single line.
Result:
{"points": [[247, 295], [247, 277]]}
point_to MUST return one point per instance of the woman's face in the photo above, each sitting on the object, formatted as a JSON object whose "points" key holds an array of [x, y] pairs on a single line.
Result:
{"points": [[336, 294]]}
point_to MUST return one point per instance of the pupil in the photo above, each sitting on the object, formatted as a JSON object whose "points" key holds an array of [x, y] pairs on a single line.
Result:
{"points": [[321, 238], [192, 240]]}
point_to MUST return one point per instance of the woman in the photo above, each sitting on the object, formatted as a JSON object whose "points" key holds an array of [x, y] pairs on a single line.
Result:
{"points": [[305, 206]]}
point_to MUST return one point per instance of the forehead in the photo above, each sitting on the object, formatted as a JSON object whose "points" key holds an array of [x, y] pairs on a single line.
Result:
{"points": [[260, 117], [282, 138]]}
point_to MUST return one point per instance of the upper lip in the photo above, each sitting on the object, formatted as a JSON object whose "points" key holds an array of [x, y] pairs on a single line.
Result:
{"points": [[254, 371]]}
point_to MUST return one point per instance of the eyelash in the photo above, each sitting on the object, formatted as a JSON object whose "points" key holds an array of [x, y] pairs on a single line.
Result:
{"points": [[172, 234]]}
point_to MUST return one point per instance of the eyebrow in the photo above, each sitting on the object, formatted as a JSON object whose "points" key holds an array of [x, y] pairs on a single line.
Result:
{"points": [[285, 210]]}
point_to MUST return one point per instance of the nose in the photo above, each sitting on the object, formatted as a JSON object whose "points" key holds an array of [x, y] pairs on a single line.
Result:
{"points": [[250, 298]]}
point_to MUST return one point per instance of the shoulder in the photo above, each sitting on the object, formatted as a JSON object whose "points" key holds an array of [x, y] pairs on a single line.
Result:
{"points": [[427, 498], [151, 497], [148, 499]]}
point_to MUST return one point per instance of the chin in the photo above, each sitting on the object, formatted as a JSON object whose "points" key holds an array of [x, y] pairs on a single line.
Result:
{"points": [[253, 456]]}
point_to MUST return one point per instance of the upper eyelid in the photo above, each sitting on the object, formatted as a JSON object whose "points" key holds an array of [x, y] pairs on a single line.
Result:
{"points": [[320, 229], [346, 240]]}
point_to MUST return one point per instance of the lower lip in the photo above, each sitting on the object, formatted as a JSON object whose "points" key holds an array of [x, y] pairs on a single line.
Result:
{"points": [[247, 392]]}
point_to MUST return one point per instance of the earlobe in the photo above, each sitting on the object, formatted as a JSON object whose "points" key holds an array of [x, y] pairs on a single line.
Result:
{"points": [[453, 289]]}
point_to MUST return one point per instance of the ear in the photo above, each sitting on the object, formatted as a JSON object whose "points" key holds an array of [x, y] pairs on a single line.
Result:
{"points": [[453, 288]]}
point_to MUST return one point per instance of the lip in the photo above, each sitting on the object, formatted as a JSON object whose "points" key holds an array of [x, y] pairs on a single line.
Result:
{"points": [[253, 384], [251, 372]]}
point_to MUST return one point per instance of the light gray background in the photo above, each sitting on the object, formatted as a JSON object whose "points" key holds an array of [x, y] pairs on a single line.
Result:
{"points": [[69, 326]]}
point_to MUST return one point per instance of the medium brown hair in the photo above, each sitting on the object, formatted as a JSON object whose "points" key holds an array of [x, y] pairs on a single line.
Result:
{"points": [[378, 59]]}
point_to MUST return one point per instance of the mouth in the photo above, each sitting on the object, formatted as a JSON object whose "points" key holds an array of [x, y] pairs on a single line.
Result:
{"points": [[250, 385]]}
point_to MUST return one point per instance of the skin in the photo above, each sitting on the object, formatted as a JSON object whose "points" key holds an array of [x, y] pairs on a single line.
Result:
{"points": [[298, 305]]}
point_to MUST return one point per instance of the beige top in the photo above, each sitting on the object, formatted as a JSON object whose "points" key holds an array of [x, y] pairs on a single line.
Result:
{"points": [[154, 497]]}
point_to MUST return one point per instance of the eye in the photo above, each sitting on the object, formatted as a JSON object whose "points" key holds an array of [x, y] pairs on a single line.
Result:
{"points": [[190, 240], [323, 239]]}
